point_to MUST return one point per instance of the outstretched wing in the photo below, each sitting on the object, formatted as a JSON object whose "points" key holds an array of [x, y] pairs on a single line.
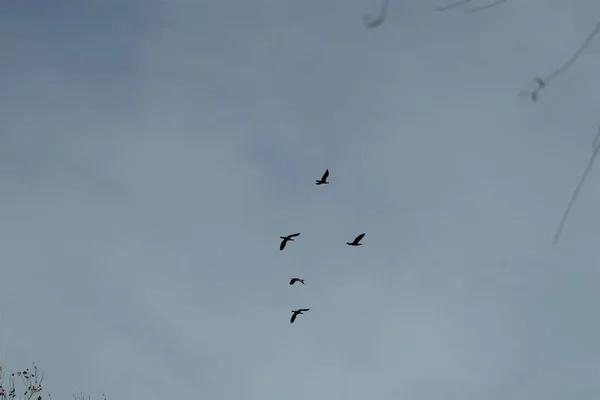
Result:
{"points": [[359, 238], [294, 235], [282, 245], [304, 309], [293, 280], [293, 318], [325, 175]]}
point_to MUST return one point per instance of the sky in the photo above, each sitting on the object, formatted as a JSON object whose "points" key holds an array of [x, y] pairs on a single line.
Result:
{"points": [[153, 152]]}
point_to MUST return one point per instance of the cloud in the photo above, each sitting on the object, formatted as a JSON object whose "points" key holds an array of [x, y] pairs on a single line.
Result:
{"points": [[152, 153]]}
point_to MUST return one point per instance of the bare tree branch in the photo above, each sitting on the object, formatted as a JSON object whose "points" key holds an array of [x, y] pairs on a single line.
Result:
{"points": [[577, 189], [543, 83], [485, 7], [453, 5], [30, 387], [373, 22]]}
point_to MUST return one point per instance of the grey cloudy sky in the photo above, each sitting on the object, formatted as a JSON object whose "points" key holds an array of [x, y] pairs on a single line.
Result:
{"points": [[152, 152]]}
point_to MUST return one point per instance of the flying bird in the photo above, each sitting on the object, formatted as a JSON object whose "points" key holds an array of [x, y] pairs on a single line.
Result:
{"points": [[357, 240], [296, 313], [323, 180], [294, 280], [286, 239]]}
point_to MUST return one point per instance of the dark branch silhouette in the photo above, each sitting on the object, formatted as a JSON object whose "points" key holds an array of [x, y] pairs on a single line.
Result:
{"points": [[373, 22], [485, 7], [294, 280], [453, 5], [31, 382], [323, 180], [27, 385], [577, 189], [287, 239], [543, 83], [356, 240], [534, 93], [296, 313], [596, 140]]}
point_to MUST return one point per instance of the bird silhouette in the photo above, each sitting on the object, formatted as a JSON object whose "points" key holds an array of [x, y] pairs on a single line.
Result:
{"points": [[294, 280], [296, 313], [323, 180], [286, 239], [356, 240]]}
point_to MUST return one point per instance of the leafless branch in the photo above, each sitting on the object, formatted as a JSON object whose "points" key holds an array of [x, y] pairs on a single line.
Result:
{"points": [[453, 5], [485, 7], [563, 68], [29, 388], [577, 189]]}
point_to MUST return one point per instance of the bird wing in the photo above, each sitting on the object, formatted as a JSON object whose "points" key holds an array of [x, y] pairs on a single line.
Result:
{"points": [[293, 280], [304, 309], [294, 235], [359, 237], [282, 245], [293, 318], [325, 175]]}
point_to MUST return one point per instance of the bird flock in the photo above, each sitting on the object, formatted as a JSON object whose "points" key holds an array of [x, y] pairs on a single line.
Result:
{"points": [[372, 22], [290, 238]]}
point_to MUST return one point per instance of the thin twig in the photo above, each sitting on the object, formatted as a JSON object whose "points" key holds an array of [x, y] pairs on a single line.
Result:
{"points": [[563, 68], [374, 22], [453, 5], [576, 192], [481, 8]]}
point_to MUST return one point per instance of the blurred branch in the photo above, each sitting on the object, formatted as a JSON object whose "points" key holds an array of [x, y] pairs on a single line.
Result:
{"points": [[80, 396], [27, 385], [31, 381]]}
